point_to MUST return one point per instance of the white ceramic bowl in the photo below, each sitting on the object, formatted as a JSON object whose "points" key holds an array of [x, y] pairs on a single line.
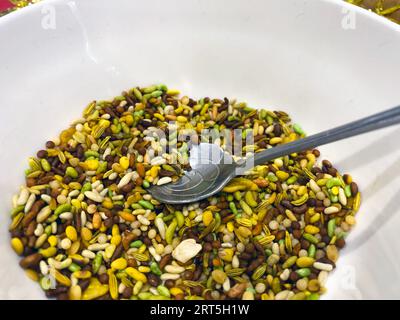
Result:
{"points": [[325, 62]]}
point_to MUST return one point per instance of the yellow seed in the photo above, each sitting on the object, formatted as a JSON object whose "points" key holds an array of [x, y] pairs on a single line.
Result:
{"points": [[119, 264], [226, 254], [356, 202], [207, 217], [32, 274], [82, 274], [311, 229], [86, 234], [96, 221], [52, 240], [335, 190], [109, 251], [124, 162], [316, 217], [116, 240], [181, 119], [115, 230], [230, 226], [129, 120], [92, 164], [350, 220], [243, 231], [290, 215], [49, 252], [17, 245], [75, 293], [107, 203], [113, 285], [144, 269], [159, 116], [76, 203], [275, 140], [175, 291], [304, 262], [74, 247], [70, 231], [301, 191], [136, 274], [249, 198], [61, 278], [94, 290], [282, 175], [154, 171]]}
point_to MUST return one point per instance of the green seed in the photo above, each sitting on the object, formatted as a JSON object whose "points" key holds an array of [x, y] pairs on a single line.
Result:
{"points": [[303, 272], [86, 187], [155, 269], [310, 238], [232, 206], [347, 191], [46, 283], [313, 296], [146, 204], [97, 261], [144, 295], [136, 244], [71, 172], [298, 129], [333, 182], [311, 251], [45, 165], [163, 291], [74, 267], [331, 227], [62, 208]]}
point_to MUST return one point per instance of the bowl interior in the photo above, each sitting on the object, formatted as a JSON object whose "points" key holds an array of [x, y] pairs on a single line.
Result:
{"points": [[324, 62]]}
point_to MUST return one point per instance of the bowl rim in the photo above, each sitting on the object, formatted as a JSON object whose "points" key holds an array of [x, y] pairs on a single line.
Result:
{"points": [[17, 14]]}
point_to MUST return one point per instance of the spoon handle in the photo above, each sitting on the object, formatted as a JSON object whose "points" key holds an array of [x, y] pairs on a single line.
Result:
{"points": [[377, 121]]}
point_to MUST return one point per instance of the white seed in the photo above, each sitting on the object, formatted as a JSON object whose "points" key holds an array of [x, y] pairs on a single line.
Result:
{"points": [[61, 199], [98, 246], [323, 266], [65, 243], [235, 262], [285, 275], [23, 197], [39, 230], [29, 203], [174, 269], [153, 252], [164, 180], [283, 295], [331, 210], [320, 195], [314, 186], [125, 180], [152, 233], [83, 218], [73, 194], [327, 202], [94, 196], [342, 197], [260, 287], [88, 254], [186, 250], [66, 215], [102, 238], [273, 225], [44, 268], [43, 214], [169, 276], [323, 277], [46, 198], [158, 161], [226, 285], [143, 220]]}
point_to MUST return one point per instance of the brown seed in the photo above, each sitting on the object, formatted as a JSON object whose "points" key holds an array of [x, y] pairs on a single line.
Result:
{"points": [[187, 275], [170, 283], [127, 239], [31, 261], [127, 293], [164, 261], [153, 280], [103, 278], [340, 243], [237, 290], [354, 189], [33, 212]]}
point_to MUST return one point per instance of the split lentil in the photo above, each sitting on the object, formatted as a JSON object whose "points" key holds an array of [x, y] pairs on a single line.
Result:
{"points": [[85, 218]]}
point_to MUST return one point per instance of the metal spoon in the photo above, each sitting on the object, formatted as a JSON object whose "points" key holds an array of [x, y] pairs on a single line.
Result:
{"points": [[212, 169]]}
